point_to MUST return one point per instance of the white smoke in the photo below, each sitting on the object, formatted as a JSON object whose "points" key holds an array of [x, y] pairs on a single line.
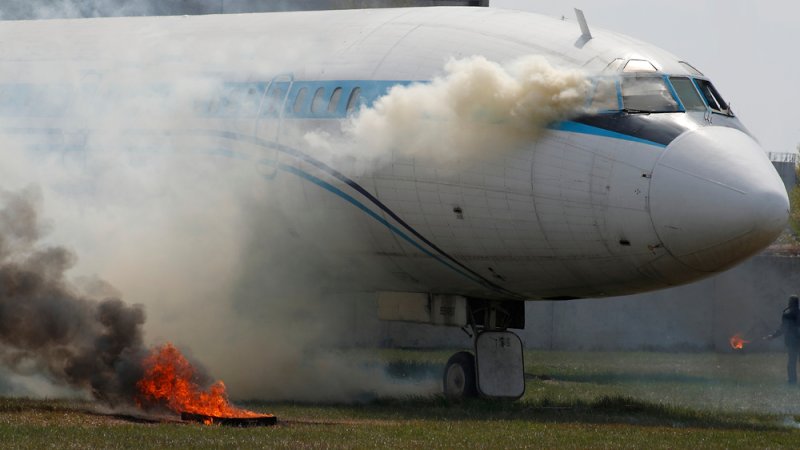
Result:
{"points": [[477, 107]]}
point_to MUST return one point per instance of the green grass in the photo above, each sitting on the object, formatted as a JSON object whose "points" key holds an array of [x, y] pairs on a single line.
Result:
{"points": [[572, 400]]}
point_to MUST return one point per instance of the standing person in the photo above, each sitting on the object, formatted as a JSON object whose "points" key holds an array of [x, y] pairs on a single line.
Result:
{"points": [[790, 329]]}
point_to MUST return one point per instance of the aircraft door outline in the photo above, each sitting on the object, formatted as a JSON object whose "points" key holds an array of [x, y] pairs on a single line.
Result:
{"points": [[270, 118], [273, 107]]}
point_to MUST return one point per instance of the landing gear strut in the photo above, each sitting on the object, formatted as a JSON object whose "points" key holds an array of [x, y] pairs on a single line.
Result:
{"points": [[496, 368]]}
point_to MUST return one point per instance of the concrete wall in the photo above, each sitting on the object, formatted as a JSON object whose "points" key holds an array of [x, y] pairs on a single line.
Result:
{"points": [[787, 171], [701, 316]]}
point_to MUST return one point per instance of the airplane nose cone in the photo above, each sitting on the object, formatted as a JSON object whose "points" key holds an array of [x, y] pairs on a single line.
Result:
{"points": [[716, 199]]}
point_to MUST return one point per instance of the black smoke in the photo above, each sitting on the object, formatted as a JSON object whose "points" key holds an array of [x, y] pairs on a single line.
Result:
{"points": [[48, 325]]}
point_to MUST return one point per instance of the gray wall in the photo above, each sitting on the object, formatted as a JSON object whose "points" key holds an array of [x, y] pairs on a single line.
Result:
{"points": [[701, 316], [787, 171]]}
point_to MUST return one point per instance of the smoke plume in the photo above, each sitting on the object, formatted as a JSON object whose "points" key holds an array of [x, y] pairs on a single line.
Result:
{"points": [[477, 106], [48, 324]]}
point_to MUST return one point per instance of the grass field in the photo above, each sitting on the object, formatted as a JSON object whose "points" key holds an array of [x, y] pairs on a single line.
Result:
{"points": [[572, 400]]}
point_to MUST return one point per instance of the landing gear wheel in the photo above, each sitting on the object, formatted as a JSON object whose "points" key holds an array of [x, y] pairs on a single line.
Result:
{"points": [[459, 376]]}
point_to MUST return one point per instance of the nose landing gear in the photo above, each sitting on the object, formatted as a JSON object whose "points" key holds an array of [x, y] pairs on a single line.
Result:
{"points": [[496, 369]]}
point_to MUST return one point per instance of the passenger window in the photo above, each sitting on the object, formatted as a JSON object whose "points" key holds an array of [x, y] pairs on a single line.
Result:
{"points": [[688, 94], [300, 100], [604, 97], [245, 98], [216, 104], [319, 101], [714, 100], [647, 94], [352, 101], [274, 101], [335, 97]]}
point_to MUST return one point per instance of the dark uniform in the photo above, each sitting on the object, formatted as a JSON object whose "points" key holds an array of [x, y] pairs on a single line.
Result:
{"points": [[790, 330]]}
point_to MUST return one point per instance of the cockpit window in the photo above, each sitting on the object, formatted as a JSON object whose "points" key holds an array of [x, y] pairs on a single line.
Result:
{"points": [[604, 96], [614, 65], [639, 65], [688, 94], [647, 94], [712, 97], [691, 69], [644, 93]]}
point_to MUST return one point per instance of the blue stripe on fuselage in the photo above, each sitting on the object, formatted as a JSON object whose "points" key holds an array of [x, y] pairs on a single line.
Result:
{"points": [[240, 101]]}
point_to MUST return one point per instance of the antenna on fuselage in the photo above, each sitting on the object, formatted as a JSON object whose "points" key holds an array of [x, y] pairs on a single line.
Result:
{"points": [[585, 33]]}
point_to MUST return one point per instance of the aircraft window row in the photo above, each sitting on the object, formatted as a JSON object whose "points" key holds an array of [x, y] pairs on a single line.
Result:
{"points": [[236, 99], [245, 100], [327, 101], [230, 99], [654, 94]]}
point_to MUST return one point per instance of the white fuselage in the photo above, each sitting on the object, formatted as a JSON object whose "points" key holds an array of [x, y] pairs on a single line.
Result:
{"points": [[615, 203]]}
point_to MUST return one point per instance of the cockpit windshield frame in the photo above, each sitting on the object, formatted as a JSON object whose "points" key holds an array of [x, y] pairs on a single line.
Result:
{"points": [[650, 93], [712, 97]]}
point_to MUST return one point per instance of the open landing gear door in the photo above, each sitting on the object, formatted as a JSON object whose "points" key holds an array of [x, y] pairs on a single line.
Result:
{"points": [[500, 371]]}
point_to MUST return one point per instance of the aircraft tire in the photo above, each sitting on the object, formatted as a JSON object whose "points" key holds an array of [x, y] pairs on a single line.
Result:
{"points": [[459, 376]]}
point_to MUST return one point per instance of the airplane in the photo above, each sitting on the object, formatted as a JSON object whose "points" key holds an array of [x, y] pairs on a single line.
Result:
{"points": [[656, 184]]}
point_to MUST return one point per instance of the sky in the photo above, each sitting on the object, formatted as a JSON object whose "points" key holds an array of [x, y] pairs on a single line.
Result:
{"points": [[749, 50]]}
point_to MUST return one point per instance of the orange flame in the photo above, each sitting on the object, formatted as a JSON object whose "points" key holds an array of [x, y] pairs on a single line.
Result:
{"points": [[168, 379], [737, 342]]}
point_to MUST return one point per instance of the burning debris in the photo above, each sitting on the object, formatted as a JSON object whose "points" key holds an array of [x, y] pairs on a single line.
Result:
{"points": [[170, 380], [259, 420], [737, 342], [49, 326]]}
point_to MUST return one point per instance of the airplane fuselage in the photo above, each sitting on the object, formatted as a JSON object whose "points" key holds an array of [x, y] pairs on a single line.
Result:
{"points": [[615, 200]]}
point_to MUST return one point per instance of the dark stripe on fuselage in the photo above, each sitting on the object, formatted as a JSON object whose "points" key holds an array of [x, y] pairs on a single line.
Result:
{"points": [[661, 128]]}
